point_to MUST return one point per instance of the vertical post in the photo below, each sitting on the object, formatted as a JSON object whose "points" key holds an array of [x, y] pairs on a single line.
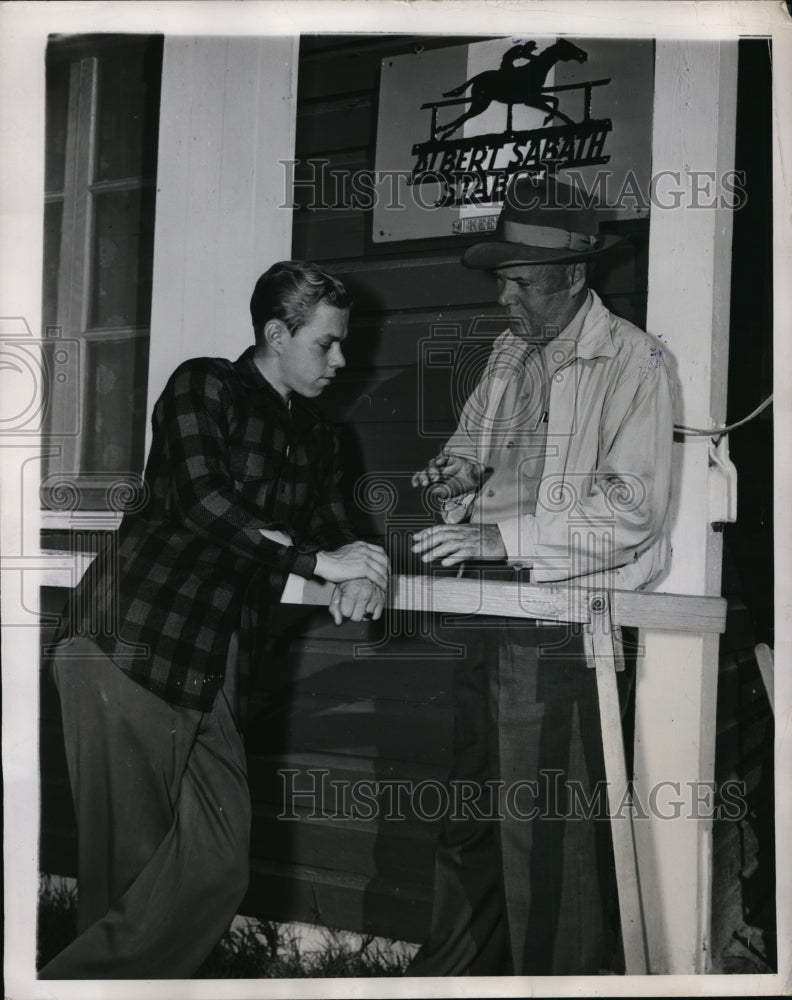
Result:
{"points": [[619, 806], [224, 213], [689, 283]]}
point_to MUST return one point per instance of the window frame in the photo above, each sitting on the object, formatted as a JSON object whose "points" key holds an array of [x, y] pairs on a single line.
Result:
{"points": [[66, 481]]}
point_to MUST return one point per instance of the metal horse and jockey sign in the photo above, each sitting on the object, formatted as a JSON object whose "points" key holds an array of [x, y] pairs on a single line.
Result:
{"points": [[456, 124]]}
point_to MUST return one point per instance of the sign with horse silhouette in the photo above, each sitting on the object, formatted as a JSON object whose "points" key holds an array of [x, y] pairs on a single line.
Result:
{"points": [[456, 124]]}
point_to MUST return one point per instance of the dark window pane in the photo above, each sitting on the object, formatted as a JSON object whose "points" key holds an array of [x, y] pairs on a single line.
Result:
{"points": [[122, 258], [117, 372], [53, 217], [57, 116], [128, 119]]}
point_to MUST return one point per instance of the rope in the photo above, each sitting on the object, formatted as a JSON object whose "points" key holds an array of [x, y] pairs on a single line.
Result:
{"points": [[718, 431]]}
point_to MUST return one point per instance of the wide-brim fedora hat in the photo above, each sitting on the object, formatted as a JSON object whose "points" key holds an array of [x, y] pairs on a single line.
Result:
{"points": [[543, 221]]}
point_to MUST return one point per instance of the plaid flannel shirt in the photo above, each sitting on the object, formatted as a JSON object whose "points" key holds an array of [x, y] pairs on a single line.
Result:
{"points": [[190, 567]]}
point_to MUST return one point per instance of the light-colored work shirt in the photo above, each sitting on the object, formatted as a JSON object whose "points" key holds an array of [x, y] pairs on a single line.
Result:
{"points": [[586, 493]]}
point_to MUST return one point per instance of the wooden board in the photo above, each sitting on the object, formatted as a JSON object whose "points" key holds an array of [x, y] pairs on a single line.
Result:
{"points": [[549, 601], [337, 899], [394, 851], [365, 727]]}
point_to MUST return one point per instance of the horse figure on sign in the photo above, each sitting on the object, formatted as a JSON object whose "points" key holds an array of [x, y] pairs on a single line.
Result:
{"points": [[512, 84]]}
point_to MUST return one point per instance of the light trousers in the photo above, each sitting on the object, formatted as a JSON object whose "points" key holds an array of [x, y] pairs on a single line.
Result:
{"points": [[163, 816]]}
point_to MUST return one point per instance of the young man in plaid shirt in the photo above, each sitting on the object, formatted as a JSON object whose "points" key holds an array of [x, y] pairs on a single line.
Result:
{"points": [[241, 489]]}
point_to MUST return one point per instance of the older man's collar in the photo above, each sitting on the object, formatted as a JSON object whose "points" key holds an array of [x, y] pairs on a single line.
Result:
{"points": [[586, 336]]}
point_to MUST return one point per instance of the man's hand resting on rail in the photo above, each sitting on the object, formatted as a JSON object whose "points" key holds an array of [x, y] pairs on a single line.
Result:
{"points": [[454, 543], [357, 599], [357, 560]]}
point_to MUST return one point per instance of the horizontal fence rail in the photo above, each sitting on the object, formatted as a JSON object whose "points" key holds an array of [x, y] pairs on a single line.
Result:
{"points": [[515, 598], [553, 602]]}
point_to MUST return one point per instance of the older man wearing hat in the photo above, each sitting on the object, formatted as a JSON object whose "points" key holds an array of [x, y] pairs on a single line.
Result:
{"points": [[560, 465]]}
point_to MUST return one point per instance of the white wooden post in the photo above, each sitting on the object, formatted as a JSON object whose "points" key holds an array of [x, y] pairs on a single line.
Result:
{"points": [[689, 284], [227, 118]]}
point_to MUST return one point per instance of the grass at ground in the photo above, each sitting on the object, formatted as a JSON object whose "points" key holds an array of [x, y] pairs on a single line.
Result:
{"points": [[251, 949], [57, 918], [262, 949]]}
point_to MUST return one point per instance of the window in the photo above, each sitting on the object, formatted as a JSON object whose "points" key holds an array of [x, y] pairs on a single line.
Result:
{"points": [[103, 95]]}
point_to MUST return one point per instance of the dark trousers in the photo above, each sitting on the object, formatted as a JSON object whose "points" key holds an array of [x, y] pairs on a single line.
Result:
{"points": [[163, 816], [526, 885]]}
